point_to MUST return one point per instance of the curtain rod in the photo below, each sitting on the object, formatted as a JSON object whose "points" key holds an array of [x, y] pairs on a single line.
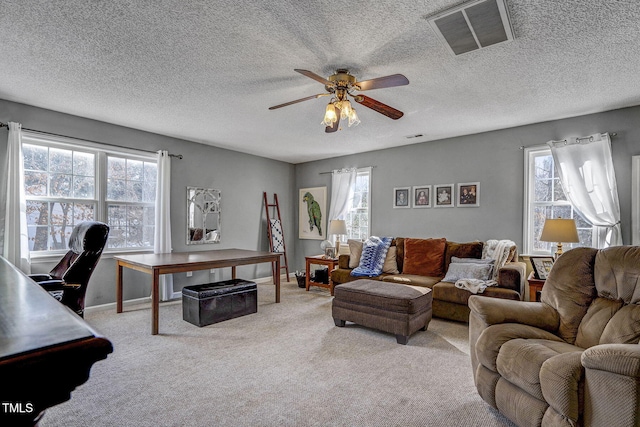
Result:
{"points": [[611, 134], [6, 125], [324, 173]]}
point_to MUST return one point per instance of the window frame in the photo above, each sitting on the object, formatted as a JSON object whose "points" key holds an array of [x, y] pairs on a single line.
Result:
{"points": [[359, 172], [101, 152], [530, 153]]}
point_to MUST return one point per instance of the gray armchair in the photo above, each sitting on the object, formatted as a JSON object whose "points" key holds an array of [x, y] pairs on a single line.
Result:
{"points": [[572, 359]]}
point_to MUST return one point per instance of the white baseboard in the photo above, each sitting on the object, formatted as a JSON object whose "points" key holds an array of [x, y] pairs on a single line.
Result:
{"points": [[174, 296]]}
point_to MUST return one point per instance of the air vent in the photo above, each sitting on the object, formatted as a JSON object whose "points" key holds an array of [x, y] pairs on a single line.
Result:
{"points": [[473, 25]]}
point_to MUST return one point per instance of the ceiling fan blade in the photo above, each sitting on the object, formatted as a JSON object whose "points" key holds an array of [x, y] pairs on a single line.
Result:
{"points": [[298, 100], [336, 125], [382, 82], [378, 106], [314, 76]]}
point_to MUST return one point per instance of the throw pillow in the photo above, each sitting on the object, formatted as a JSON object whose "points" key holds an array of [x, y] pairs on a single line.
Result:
{"points": [[424, 257], [467, 270], [463, 250], [374, 253], [390, 264], [355, 251]]}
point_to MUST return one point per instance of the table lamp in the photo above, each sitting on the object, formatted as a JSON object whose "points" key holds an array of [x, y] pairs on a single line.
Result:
{"points": [[559, 230], [339, 228]]}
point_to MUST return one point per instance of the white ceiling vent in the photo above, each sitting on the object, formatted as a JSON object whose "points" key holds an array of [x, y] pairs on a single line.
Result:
{"points": [[473, 25]]}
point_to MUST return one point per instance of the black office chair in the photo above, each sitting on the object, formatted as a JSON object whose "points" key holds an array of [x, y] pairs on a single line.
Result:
{"points": [[68, 280]]}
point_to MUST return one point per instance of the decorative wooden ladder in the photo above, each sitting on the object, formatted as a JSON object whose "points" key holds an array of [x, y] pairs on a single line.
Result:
{"points": [[276, 233]]}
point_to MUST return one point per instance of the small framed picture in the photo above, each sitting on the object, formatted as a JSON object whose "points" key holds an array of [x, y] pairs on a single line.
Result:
{"points": [[401, 197], [330, 253], [541, 266], [422, 196], [443, 196], [469, 195]]}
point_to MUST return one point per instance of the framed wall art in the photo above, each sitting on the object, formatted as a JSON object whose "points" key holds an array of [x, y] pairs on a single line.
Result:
{"points": [[401, 197], [469, 195], [312, 215], [422, 196], [443, 196]]}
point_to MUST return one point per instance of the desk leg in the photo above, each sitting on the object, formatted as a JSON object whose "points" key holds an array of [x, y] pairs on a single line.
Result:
{"points": [[233, 272], [155, 302], [276, 279], [118, 287]]}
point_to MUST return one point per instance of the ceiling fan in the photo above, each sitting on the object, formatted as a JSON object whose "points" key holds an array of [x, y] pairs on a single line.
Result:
{"points": [[341, 85]]}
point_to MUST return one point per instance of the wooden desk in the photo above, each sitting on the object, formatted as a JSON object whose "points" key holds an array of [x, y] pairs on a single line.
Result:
{"points": [[535, 286], [331, 263], [46, 350], [180, 262]]}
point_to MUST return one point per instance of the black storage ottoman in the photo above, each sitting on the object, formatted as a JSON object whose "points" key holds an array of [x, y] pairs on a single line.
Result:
{"points": [[211, 303]]}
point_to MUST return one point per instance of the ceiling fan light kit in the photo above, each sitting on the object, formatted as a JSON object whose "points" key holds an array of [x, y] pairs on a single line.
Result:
{"points": [[342, 85]]}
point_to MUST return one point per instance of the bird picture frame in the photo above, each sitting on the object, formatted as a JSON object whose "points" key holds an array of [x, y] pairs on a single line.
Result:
{"points": [[312, 217]]}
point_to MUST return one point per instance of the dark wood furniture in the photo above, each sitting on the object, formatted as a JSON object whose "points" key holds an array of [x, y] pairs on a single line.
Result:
{"points": [[331, 263], [535, 286], [180, 262], [46, 350]]}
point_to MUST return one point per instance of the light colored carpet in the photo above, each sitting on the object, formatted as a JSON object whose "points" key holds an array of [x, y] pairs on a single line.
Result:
{"points": [[286, 365]]}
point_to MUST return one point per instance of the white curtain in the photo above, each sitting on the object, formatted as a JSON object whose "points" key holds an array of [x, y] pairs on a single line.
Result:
{"points": [[586, 170], [16, 238], [343, 183], [162, 236]]}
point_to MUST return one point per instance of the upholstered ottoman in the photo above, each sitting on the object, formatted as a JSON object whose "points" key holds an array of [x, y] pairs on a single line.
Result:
{"points": [[389, 307]]}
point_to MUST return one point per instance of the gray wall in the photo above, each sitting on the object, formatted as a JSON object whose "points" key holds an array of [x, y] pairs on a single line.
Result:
{"points": [[242, 178], [492, 158]]}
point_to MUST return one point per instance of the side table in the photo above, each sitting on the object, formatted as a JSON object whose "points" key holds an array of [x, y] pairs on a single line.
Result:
{"points": [[331, 263], [535, 286]]}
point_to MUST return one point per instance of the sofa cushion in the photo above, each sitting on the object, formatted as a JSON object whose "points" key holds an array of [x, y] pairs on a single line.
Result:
{"points": [[355, 252], [412, 279], [390, 264], [462, 250], [424, 257], [447, 291], [624, 326], [399, 244], [594, 322]]}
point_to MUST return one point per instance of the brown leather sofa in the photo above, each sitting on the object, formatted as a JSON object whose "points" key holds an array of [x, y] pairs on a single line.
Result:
{"points": [[572, 359], [449, 302]]}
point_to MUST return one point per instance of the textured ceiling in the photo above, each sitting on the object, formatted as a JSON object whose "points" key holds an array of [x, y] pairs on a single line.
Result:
{"points": [[207, 71]]}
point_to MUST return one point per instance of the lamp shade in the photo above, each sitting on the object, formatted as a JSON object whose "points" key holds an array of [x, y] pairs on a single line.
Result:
{"points": [[337, 226], [559, 230]]}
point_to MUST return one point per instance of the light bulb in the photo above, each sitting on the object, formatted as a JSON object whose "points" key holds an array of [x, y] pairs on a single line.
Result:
{"points": [[353, 118], [330, 116], [345, 109]]}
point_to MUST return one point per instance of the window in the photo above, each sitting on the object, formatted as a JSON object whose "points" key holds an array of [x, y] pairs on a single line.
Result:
{"points": [[359, 214], [67, 183], [544, 198]]}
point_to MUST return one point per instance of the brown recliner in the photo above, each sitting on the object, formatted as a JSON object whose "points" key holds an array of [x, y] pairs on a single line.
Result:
{"points": [[572, 359], [67, 281]]}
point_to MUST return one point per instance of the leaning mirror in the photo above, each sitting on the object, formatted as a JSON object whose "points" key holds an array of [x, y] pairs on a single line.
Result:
{"points": [[203, 215]]}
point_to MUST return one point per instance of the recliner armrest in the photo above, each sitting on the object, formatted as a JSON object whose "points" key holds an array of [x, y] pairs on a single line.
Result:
{"points": [[496, 310], [622, 359]]}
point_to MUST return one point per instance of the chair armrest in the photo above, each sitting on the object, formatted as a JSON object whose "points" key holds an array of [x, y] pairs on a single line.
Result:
{"points": [[52, 285], [492, 311], [343, 261], [40, 277], [622, 359], [512, 276]]}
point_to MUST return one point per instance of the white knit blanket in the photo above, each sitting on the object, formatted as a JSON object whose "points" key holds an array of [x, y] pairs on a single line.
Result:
{"points": [[498, 250], [475, 286]]}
